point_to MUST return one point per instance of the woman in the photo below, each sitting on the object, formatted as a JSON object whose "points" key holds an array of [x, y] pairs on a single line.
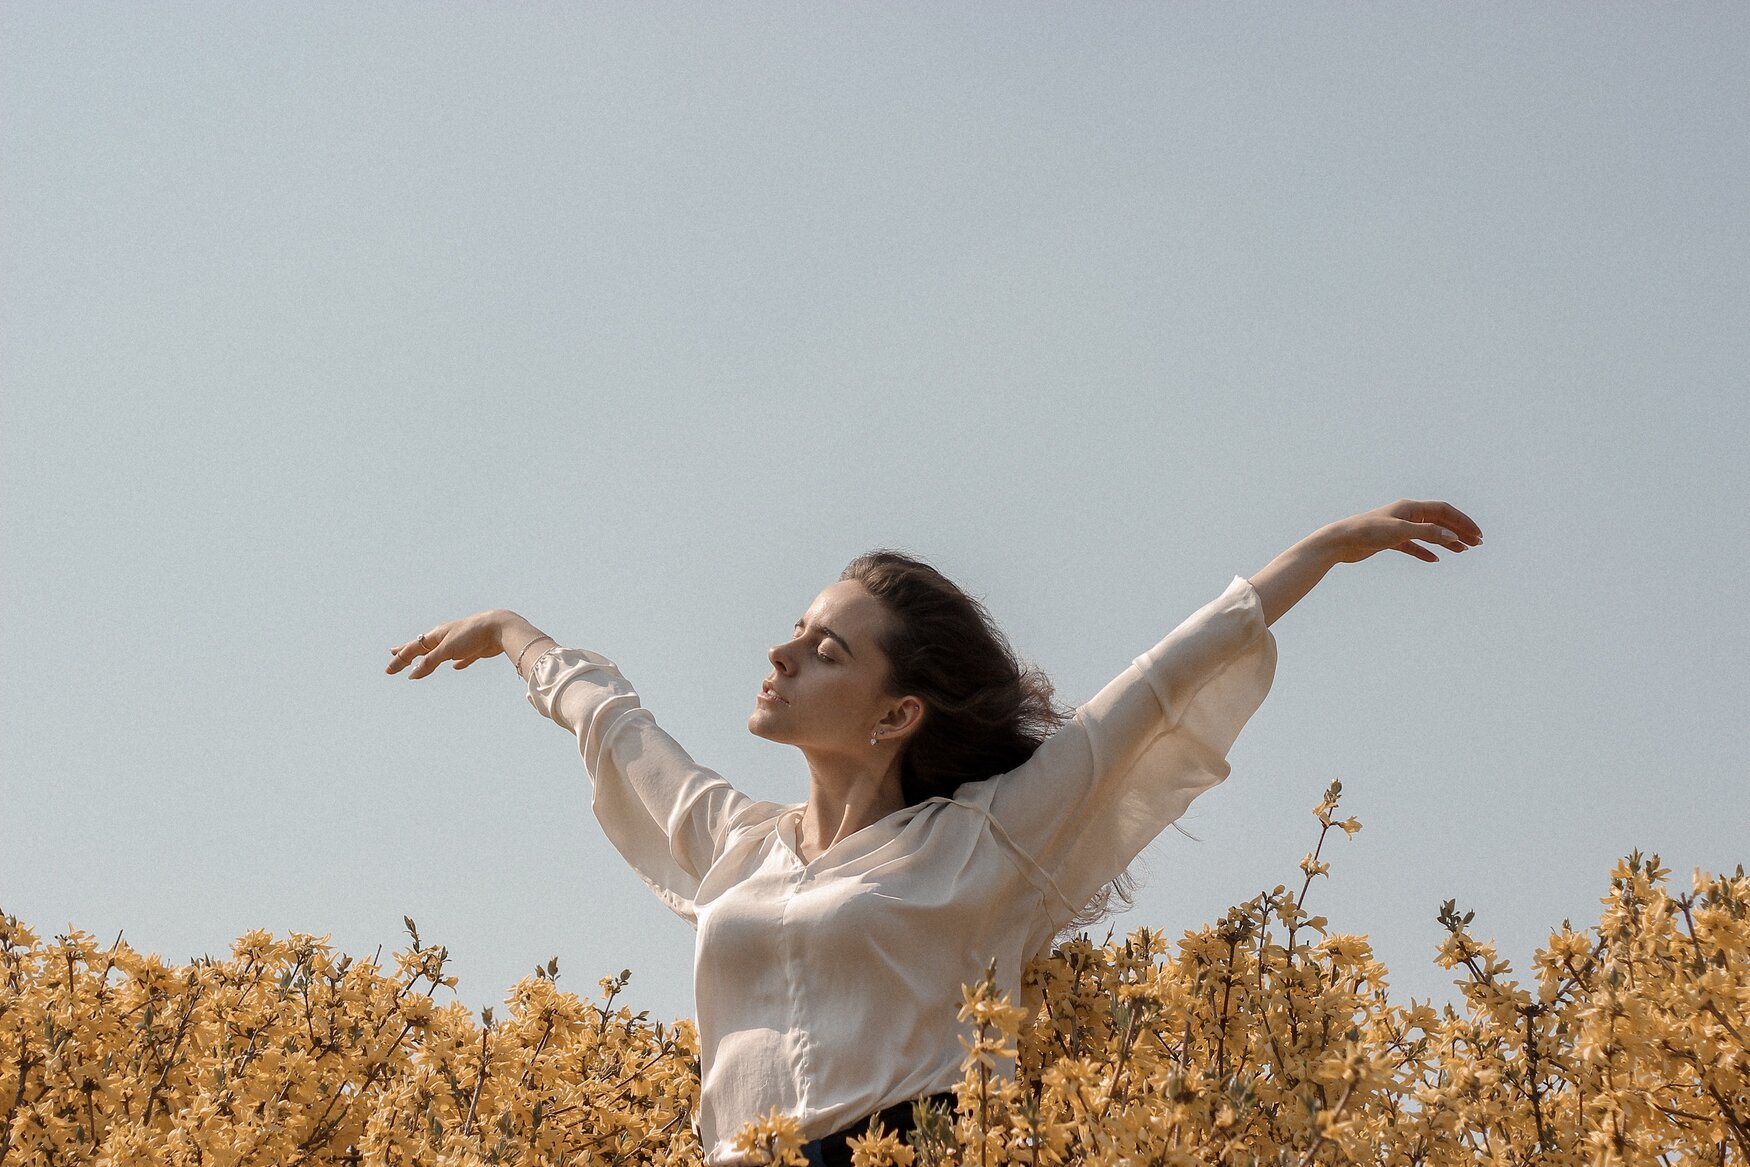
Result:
{"points": [[953, 816]]}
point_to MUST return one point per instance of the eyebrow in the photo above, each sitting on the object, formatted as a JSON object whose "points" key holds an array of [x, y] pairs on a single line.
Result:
{"points": [[830, 634]]}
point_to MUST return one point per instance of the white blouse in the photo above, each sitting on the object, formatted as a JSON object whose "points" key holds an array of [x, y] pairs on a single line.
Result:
{"points": [[830, 989]]}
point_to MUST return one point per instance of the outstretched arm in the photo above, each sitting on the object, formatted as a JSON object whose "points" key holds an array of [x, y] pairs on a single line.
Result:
{"points": [[667, 815], [1402, 526]]}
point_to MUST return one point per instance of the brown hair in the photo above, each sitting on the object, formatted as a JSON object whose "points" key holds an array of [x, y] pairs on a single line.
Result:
{"points": [[985, 712]]}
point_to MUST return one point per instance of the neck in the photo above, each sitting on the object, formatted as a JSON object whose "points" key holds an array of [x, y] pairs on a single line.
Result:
{"points": [[844, 797]]}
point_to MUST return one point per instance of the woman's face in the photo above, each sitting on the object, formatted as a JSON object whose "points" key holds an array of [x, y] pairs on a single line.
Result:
{"points": [[827, 691]]}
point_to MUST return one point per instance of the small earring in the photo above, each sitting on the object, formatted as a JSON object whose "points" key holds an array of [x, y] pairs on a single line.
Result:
{"points": [[872, 740]]}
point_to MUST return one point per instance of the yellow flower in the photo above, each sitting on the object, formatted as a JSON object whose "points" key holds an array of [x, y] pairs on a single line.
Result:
{"points": [[879, 1147], [1235, 1045]]}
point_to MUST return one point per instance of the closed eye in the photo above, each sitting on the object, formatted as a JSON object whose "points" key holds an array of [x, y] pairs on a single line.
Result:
{"points": [[825, 635]]}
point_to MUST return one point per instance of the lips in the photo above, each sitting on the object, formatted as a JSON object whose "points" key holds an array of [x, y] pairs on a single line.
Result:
{"points": [[767, 693]]}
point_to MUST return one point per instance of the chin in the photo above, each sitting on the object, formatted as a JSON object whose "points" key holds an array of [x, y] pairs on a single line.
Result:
{"points": [[763, 728]]}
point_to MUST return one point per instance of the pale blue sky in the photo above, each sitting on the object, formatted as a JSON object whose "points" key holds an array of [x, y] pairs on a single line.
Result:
{"points": [[324, 323]]}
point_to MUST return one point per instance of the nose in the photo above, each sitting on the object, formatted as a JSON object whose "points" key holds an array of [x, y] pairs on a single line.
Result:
{"points": [[779, 660]]}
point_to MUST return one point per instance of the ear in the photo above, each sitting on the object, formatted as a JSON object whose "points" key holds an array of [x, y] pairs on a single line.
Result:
{"points": [[901, 720]]}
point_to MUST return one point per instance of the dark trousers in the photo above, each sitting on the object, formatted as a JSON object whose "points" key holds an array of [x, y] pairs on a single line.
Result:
{"points": [[834, 1150]]}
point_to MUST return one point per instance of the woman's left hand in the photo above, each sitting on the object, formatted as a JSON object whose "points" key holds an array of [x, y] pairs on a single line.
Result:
{"points": [[1401, 526], [1404, 526]]}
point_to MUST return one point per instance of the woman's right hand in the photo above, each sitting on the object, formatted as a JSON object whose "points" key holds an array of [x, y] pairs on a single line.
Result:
{"points": [[464, 641]]}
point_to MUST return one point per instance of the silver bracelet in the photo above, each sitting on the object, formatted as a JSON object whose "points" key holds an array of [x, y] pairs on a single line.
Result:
{"points": [[525, 652]]}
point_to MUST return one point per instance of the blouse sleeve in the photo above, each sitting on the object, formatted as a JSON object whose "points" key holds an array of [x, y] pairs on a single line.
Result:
{"points": [[1130, 761], [666, 814]]}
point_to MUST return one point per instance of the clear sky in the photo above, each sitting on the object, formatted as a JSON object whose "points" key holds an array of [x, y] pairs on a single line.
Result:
{"points": [[323, 323]]}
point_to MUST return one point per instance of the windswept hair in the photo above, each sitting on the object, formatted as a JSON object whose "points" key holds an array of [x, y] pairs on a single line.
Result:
{"points": [[985, 712]]}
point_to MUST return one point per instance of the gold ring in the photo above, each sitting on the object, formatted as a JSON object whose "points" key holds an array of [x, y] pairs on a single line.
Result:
{"points": [[422, 644]]}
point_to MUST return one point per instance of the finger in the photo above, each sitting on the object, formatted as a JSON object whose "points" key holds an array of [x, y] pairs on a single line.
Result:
{"points": [[429, 664], [401, 657], [423, 644], [439, 650], [1418, 551], [1450, 517], [1438, 535], [1464, 525]]}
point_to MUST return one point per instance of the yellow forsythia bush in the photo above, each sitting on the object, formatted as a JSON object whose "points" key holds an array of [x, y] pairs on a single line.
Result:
{"points": [[284, 1055], [1264, 1038]]}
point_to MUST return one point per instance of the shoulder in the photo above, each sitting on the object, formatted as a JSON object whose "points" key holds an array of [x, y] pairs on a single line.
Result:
{"points": [[756, 818]]}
